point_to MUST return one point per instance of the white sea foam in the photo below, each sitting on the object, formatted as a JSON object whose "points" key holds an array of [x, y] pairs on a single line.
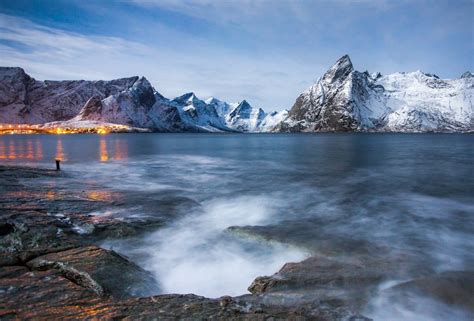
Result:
{"points": [[197, 255]]}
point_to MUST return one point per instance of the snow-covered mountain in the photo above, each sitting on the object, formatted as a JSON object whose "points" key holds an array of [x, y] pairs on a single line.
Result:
{"points": [[129, 101], [243, 117], [344, 99], [26, 100], [198, 115], [131, 106]]}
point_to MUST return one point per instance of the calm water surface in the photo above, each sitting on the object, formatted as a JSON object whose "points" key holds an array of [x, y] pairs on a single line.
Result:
{"points": [[331, 194]]}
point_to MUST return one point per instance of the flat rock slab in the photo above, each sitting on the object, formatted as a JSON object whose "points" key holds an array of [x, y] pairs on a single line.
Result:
{"points": [[48, 295], [103, 271], [23, 293]]}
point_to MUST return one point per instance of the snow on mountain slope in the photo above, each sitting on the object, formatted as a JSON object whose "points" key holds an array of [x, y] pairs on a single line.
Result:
{"points": [[272, 119], [129, 107], [129, 101], [423, 102], [222, 108], [344, 99], [28, 101], [245, 118], [198, 115]]}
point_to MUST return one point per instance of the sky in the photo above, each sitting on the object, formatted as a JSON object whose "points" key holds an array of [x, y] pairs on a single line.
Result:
{"points": [[264, 51]]}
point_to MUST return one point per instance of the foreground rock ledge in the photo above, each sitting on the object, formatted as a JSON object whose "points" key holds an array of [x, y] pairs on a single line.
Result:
{"points": [[93, 283]]}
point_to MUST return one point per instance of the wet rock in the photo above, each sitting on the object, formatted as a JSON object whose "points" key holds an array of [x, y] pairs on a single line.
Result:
{"points": [[103, 271], [452, 288], [47, 295], [22, 289], [347, 282], [33, 231], [24, 294]]}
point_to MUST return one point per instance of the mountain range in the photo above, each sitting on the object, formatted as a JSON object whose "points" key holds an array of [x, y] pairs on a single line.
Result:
{"points": [[343, 99]]}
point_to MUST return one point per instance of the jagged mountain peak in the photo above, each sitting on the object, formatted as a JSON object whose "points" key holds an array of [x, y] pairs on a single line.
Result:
{"points": [[142, 81], [188, 98], [212, 100], [340, 70], [244, 104], [467, 74]]}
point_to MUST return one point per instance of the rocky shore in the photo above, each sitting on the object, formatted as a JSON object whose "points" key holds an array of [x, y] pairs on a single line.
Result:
{"points": [[52, 267]]}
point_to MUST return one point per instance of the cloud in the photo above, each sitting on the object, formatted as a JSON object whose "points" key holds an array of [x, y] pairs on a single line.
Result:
{"points": [[261, 50], [50, 53]]}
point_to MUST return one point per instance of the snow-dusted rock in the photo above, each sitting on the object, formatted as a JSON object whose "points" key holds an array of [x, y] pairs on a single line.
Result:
{"points": [[344, 99], [222, 108], [197, 115], [131, 106], [28, 101], [245, 118]]}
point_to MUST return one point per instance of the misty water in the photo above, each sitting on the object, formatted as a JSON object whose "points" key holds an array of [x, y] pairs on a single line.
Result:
{"points": [[324, 194]]}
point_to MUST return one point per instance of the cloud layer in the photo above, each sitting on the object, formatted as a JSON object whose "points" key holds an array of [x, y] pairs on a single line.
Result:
{"points": [[264, 51]]}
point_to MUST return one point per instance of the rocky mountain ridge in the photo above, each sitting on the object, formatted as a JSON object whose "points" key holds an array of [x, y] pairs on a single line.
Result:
{"points": [[344, 99], [129, 101]]}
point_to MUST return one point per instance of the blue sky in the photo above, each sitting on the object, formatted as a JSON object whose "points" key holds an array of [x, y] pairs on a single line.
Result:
{"points": [[261, 50]]}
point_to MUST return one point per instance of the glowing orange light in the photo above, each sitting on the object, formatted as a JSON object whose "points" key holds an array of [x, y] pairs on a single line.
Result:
{"points": [[3, 153], [11, 151], [60, 151], [29, 150], [104, 156], [102, 131], [50, 195]]}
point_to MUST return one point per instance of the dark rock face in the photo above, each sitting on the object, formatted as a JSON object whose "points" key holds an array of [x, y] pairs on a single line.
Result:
{"points": [[92, 106], [323, 106]]}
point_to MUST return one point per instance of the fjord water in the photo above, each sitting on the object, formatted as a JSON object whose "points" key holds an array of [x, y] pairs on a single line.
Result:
{"points": [[327, 194]]}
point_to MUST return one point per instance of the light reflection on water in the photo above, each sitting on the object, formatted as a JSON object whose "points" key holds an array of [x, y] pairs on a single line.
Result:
{"points": [[36, 148], [59, 151], [29, 149], [104, 156]]}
